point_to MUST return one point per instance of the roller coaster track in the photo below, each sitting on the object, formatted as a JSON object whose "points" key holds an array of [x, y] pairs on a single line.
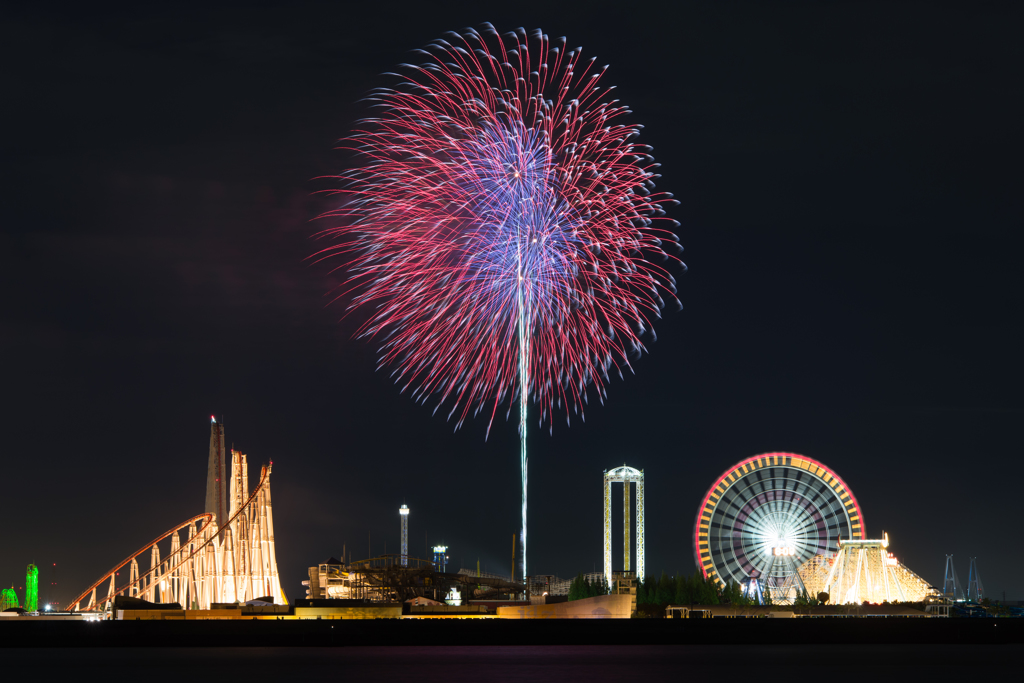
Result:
{"points": [[183, 556]]}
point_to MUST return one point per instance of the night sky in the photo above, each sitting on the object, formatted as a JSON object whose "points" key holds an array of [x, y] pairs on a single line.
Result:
{"points": [[851, 185]]}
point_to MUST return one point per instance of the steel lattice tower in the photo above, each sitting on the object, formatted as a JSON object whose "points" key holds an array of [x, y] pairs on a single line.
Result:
{"points": [[625, 475]]}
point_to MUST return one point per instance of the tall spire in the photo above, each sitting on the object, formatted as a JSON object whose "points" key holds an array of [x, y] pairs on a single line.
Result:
{"points": [[404, 513], [216, 479]]}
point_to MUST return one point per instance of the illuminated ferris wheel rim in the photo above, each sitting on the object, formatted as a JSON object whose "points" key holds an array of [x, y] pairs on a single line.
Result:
{"points": [[764, 460]]}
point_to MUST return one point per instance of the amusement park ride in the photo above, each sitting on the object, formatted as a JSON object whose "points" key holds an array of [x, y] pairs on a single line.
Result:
{"points": [[224, 555], [626, 475], [782, 524], [779, 524]]}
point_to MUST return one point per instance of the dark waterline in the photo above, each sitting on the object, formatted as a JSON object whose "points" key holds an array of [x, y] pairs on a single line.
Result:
{"points": [[556, 663]]}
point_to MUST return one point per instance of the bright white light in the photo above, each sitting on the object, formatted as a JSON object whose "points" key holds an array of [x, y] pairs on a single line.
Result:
{"points": [[404, 510]]}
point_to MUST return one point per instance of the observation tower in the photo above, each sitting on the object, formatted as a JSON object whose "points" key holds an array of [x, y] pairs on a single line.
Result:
{"points": [[404, 513], [766, 516]]}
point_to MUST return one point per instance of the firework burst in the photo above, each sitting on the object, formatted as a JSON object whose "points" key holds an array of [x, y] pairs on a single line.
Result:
{"points": [[502, 229]]}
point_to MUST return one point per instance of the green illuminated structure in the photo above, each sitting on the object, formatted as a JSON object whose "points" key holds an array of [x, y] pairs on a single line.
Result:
{"points": [[32, 588], [8, 599]]}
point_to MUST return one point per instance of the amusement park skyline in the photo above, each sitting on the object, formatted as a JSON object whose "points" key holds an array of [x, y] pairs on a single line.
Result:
{"points": [[850, 213]]}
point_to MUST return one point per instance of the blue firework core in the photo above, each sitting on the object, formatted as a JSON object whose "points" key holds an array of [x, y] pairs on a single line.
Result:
{"points": [[522, 231]]}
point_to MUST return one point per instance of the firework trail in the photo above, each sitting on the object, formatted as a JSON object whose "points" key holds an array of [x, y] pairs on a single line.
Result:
{"points": [[502, 230]]}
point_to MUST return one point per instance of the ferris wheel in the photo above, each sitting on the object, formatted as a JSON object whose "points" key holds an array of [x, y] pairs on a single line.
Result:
{"points": [[766, 516]]}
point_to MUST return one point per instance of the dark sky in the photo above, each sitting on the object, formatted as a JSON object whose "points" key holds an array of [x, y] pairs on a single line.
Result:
{"points": [[851, 186]]}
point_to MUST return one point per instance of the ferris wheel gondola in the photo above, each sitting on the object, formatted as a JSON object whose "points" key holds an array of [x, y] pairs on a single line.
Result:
{"points": [[766, 516]]}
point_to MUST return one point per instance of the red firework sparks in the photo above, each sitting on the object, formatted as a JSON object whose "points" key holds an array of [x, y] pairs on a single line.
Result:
{"points": [[498, 189]]}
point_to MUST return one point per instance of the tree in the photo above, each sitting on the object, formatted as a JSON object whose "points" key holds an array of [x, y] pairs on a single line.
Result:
{"points": [[581, 587], [703, 590], [711, 591], [666, 589], [805, 600], [651, 590], [733, 594], [578, 588], [682, 596], [696, 586], [641, 592]]}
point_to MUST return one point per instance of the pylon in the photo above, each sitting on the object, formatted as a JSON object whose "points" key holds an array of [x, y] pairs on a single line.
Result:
{"points": [[975, 590], [951, 584]]}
